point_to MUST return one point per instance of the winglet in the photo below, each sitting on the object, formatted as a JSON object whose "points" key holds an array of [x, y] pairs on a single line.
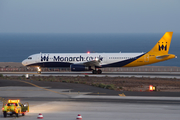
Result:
{"points": [[163, 45]]}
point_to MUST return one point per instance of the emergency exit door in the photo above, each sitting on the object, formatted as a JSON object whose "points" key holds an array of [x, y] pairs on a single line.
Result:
{"points": [[146, 58]]}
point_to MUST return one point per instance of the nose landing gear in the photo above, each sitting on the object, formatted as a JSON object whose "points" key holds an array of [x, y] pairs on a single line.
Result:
{"points": [[38, 70]]}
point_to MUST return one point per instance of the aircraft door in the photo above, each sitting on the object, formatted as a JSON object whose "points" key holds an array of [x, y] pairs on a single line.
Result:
{"points": [[146, 58], [38, 59]]}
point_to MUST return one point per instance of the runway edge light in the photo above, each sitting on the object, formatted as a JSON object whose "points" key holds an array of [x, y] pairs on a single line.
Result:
{"points": [[152, 88], [27, 76]]}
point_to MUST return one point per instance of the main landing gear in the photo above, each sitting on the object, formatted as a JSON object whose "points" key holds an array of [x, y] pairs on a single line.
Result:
{"points": [[97, 71]]}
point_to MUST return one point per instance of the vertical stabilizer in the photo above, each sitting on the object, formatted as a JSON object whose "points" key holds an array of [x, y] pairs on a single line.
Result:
{"points": [[163, 45]]}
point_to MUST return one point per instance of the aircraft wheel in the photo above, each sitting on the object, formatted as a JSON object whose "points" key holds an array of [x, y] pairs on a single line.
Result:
{"points": [[94, 72], [99, 71]]}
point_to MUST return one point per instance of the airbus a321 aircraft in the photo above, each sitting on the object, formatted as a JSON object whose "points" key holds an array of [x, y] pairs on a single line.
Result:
{"points": [[94, 61]]}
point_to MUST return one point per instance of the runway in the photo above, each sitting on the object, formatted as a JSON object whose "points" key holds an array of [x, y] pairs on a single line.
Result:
{"points": [[104, 74]]}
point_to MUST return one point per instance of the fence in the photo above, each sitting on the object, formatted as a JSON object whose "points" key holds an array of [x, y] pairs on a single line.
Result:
{"points": [[120, 69], [143, 69]]}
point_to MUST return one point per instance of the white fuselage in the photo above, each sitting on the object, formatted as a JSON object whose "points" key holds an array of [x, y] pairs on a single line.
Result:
{"points": [[66, 59]]}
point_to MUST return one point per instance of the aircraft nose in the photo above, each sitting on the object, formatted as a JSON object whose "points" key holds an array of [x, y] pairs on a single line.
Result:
{"points": [[24, 62]]}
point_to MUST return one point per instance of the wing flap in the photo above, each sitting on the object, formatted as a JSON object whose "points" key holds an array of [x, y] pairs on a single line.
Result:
{"points": [[91, 63]]}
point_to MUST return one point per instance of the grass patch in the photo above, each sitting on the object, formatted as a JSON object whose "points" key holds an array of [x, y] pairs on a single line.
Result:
{"points": [[120, 87], [101, 85], [77, 82], [95, 84], [66, 81], [83, 82], [1, 75], [111, 86], [40, 79]]}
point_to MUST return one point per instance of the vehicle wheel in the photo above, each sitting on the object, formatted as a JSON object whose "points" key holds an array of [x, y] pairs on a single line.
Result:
{"points": [[5, 114], [17, 115], [23, 114]]}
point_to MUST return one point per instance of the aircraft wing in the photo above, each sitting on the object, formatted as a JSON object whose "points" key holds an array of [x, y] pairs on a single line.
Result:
{"points": [[92, 63], [95, 62]]}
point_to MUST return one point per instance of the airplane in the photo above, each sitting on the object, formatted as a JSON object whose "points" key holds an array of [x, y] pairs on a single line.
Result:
{"points": [[95, 61]]}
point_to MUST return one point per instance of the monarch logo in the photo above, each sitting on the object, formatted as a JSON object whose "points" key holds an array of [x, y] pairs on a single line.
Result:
{"points": [[45, 58], [66, 59], [162, 46]]}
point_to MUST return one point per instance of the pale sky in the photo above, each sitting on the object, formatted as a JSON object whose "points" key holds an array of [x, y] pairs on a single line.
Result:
{"points": [[89, 16]]}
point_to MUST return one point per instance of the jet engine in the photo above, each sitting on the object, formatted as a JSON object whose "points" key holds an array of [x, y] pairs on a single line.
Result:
{"points": [[76, 67]]}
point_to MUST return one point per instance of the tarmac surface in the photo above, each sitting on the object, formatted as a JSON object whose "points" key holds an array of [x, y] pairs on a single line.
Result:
{"points": [[56, 100], [109, 74]]}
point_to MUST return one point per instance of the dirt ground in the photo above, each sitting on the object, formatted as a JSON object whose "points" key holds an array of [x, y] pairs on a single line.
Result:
{"points": [[115, 83], [11, 65]]}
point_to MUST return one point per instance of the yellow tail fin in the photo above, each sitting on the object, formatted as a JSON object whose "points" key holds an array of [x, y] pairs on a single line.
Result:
{"points": [[163, 45]]}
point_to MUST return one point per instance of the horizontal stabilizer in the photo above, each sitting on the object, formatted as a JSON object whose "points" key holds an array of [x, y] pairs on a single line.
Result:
{"points": [[161, 57]]}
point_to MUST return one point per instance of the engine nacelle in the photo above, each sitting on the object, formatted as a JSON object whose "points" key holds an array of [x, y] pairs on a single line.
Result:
{"points": [[77, 67]]}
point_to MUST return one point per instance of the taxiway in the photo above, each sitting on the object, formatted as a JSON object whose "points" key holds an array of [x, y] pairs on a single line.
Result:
{"points": [[109, 74]]}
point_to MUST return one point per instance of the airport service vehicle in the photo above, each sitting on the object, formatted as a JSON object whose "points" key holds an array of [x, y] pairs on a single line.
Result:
{"points": [[18, 108], [94, 61]]}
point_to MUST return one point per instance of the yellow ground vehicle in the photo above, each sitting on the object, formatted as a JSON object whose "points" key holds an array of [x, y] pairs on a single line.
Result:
{"points": [[15, 107]]}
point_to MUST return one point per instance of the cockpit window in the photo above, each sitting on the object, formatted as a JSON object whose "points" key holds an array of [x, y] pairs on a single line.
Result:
{"points": [[29, 58]]}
